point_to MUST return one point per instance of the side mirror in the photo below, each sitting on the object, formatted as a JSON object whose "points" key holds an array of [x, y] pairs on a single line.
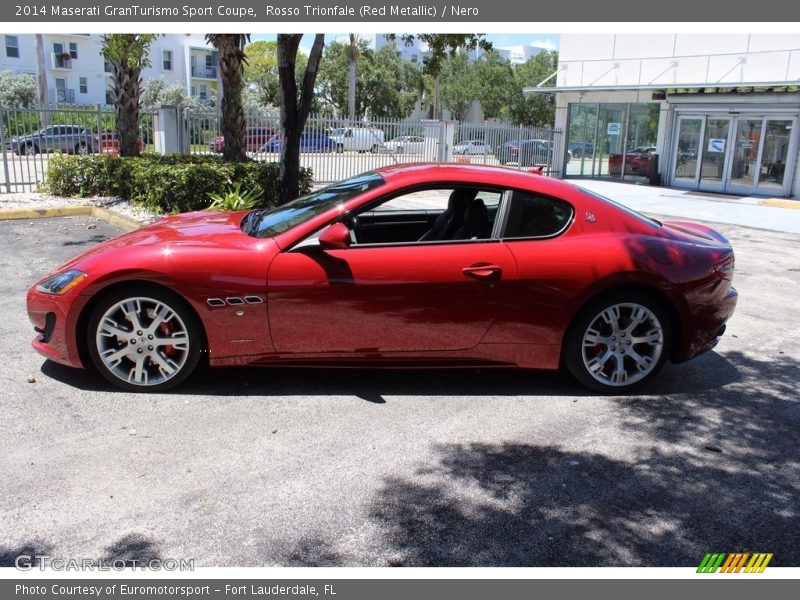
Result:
{"points": [[335, 237]]}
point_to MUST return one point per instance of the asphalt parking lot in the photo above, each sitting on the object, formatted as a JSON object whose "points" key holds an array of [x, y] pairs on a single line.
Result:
{"points": [[261, 467]]}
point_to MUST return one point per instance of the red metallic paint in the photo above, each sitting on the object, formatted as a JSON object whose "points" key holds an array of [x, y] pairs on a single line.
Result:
{"points": [[405, 305]]}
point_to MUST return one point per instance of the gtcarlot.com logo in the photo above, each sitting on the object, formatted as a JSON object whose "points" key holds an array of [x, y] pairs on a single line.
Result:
{"points": [[26, 562], [737, 562]]}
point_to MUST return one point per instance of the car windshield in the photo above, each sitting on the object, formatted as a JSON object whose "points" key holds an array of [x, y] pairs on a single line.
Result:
{"points": [[269, 222]]}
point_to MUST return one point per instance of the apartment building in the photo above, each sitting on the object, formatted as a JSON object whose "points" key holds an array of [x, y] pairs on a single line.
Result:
{"points": [[77, 73]]}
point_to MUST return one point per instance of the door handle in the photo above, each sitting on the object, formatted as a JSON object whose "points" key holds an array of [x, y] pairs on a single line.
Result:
{"points": [[483, 271]]}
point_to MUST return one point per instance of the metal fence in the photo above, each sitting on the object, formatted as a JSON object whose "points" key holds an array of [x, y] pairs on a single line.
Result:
{"points": [[333, 148], [29, 136], [338, 148]]}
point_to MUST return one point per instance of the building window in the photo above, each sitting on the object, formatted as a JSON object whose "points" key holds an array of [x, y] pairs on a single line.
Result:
{"points": [[166, 62], [414, 58], [107, 66], [84, 85], [73, 50], [612, 140], [109, 97], [12, 46]]}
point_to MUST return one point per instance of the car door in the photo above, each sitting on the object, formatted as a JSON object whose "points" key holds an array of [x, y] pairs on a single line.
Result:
{"points": [[412, 297]]}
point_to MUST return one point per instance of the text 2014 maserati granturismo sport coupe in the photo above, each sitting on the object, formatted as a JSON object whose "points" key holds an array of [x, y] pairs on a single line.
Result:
{"points": [[406, 266]]}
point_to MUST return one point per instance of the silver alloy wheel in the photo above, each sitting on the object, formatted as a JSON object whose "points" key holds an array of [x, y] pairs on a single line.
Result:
{"points": [[622, 344], [142, 341]]}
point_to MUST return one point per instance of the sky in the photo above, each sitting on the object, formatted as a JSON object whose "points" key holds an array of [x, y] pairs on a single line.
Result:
{"points": [[548, 41]]}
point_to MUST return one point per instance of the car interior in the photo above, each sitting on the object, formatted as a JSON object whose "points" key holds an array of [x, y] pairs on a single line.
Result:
{"points": [[456, 213]]}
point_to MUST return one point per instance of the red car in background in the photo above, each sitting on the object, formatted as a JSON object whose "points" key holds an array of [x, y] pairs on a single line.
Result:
{"points": [[414, 265], [639, 161], [254, 138], [109, 143]]}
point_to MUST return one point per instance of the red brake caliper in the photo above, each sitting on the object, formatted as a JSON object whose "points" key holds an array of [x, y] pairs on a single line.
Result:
{"points": [[166, 329]]}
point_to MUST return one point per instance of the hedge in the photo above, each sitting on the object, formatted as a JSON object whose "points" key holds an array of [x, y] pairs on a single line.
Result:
{"points": [[172, 183]]}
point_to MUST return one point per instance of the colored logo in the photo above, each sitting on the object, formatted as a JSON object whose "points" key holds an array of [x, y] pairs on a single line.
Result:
{"points": [[744, 562]]}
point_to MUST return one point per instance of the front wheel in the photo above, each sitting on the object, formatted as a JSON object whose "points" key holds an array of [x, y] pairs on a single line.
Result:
{"points": [[618, 343], [148, 341]]}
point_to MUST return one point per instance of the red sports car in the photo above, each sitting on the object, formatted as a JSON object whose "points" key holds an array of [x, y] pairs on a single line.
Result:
{"points": [[407, 266]]}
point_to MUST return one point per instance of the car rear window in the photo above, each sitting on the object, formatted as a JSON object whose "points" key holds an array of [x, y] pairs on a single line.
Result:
{"points": [[534, 216]]}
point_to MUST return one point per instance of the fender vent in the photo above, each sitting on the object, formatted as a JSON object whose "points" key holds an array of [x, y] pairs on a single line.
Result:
{"points": [[253, 300], [234, 301], [215, 302]]}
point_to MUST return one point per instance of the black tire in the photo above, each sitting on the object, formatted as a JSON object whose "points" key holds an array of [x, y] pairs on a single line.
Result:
{"points": [[82, 149], [375, 149], [195, 339], [644, 359], [339, 148]]}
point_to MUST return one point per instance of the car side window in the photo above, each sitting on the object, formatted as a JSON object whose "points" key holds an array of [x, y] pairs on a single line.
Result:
{"points": [[534, 216], [428, 216]]}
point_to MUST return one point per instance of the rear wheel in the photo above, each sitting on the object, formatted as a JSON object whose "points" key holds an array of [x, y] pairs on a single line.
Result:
{"points": [[146, 340], [339, 148], [618, 343], [375, 149], [81, 149]]}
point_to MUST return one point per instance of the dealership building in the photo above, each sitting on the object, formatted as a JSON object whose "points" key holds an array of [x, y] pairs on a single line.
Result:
{"points": [[711, 112]]}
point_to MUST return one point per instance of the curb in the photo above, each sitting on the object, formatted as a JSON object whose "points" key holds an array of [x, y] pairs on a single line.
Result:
{"points": [[780, 203], [104, 214]]}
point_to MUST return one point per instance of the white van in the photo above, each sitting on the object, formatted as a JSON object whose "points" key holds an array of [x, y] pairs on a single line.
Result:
{"points": [[361, 139]]}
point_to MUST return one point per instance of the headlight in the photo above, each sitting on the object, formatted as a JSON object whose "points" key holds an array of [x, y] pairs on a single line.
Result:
{"points": [[62, 282]]}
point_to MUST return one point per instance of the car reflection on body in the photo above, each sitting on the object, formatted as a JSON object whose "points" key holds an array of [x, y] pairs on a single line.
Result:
{"points": [[414, 265]]}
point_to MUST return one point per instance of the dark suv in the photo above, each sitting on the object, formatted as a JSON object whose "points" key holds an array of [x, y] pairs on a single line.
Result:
{"points": [[65, 138]]}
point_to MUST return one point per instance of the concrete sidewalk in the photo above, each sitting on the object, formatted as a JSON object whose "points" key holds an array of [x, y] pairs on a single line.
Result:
{"points": [[715, 208]]}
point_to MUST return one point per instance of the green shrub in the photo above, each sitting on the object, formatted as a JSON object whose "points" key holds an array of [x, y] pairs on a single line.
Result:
{"points": [[172, 183], [234, 199]]}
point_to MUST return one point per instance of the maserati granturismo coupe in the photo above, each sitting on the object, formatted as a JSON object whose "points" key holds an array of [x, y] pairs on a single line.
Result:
{"points": [[408, 266]]}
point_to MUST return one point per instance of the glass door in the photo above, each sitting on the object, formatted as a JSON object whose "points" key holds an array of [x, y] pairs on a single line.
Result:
{"points": [[687, 151], [775, 154], [745, 159], [713, 154]]}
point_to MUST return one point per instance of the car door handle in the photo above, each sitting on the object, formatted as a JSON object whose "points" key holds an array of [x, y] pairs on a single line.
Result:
{"points": [[483, 271]]}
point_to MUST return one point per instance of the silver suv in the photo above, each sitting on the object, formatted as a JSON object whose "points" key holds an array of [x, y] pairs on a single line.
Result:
{"points": [[65, 138]]}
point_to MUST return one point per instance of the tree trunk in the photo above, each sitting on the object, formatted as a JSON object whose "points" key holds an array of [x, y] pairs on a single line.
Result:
{"points": [[351, 79], [41, 80], [231, 68], [126, 94], [294, 111]]}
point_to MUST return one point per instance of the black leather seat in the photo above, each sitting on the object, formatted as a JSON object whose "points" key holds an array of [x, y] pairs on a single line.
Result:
{"points": [[476, 222], [452, 219]]}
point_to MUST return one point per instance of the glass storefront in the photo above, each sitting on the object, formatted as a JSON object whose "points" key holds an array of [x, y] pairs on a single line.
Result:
{"points": [[612, 140], [730, 153]]}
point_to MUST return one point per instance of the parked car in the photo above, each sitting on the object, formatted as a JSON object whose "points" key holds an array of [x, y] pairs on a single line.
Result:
{"points": [[639, 161], [360, 139], [472, 147], [580, 149], [109, 143], [410, 144], [73, 139], [349, 283], [254, 138], [527, 153], [310, 141]]}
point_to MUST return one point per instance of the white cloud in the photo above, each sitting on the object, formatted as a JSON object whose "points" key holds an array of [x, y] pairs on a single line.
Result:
{"points": [[544, 44]]}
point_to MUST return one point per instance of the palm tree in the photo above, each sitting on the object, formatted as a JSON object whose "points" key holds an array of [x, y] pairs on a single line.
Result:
{"points": [[128, 55], [230, 47], [351, 77]]}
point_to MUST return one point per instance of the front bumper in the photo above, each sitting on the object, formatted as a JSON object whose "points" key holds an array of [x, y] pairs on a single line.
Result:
{"points": [[54, 319]]}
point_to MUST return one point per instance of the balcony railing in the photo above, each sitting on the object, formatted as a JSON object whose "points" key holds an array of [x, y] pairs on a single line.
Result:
{"points": [[61, 61], [65, 96], [205, 72]]}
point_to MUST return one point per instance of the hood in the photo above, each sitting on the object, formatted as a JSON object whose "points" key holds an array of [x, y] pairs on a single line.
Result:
{"points": [[201, 230]]}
